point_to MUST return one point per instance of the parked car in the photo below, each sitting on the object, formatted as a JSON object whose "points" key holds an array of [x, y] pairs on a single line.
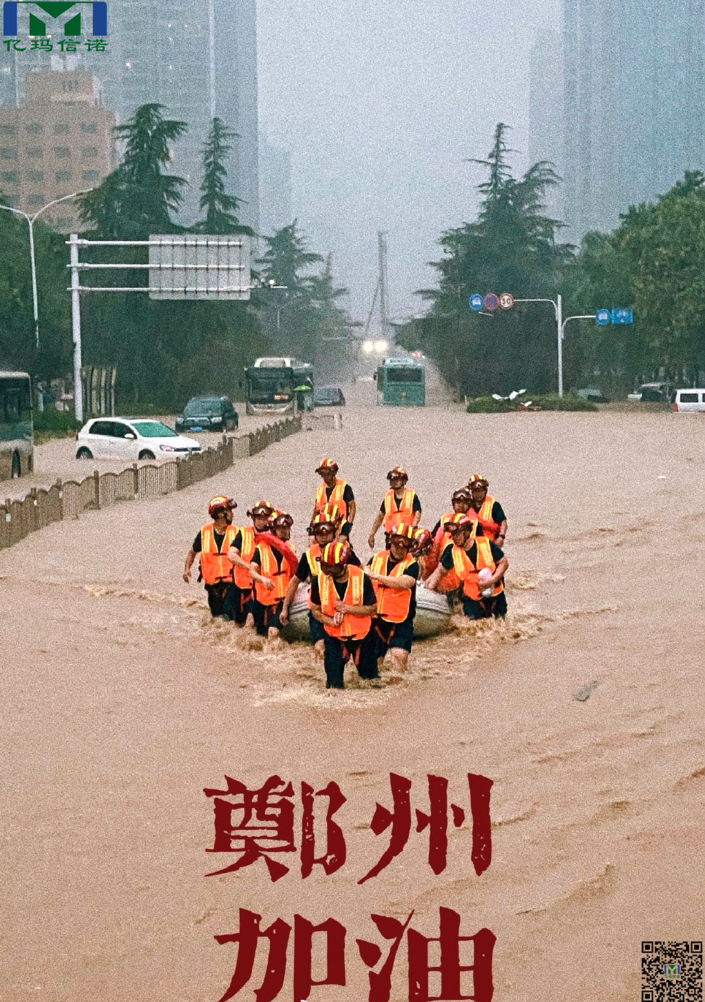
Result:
{"points": [[328, 396], [208, 414], [689, 400], [131, 438], [593, 394], [652, 393]]}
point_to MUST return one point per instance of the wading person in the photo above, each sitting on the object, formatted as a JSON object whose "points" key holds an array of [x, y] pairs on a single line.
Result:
{"points": [[240, 554], [212, 543], [334, 491], [271, 572], [479, 565], [488, 512], [344, 602], [394, 573], [400, 504], [323, 532]]}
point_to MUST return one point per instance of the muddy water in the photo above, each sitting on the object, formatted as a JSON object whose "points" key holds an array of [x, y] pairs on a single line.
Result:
{"points": [[121, 700]]}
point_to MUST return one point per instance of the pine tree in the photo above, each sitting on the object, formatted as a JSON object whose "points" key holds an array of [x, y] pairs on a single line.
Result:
{"points": [[221, 208]]}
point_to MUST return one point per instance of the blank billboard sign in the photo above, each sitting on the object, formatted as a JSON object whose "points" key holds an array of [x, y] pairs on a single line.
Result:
{"points": [[199, 266]]}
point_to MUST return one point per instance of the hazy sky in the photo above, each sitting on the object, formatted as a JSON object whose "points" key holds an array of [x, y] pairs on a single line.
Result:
{"points": [[379, 103]]}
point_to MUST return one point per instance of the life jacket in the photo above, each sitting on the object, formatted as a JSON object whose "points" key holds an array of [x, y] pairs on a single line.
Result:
{"points": [[484, 517], [352, 627], [393, 604], [467, 571], [405, 514], [313, 554], [336, 496], [242, 577], [269, 568], [215, 565]]}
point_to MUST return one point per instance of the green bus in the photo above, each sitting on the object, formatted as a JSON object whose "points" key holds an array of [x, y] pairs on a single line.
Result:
{"points": [[16, 430], [401, 382], [279, 386]]}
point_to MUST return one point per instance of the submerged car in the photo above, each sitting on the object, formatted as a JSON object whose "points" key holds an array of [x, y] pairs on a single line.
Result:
{"points": [[328, 396], [208, 414], [131, 438], [651, 393]]}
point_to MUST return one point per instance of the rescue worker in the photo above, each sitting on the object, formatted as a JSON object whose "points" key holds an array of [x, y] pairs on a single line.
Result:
{"points": [[323, 531], [271, 573], [461, 501], [240, 554], [333, 513], [423, 544], [486, 510], [213, 542], [344, 602], [480, 566], [335, 491], [400, 504], [394, 573]]}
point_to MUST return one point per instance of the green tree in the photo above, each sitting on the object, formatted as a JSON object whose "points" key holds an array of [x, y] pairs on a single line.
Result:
{"points": [[220, 207]]}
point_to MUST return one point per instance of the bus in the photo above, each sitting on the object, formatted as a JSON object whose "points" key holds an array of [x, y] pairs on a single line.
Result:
{"points": [[280, 385], [16, 431], [401, 382]]}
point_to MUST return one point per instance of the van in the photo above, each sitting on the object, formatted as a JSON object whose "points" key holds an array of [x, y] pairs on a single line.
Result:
{"points": [[689, 400]]}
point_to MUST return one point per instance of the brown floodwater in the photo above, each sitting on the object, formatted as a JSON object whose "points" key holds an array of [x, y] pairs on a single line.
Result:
{"points": [[122, 700]]}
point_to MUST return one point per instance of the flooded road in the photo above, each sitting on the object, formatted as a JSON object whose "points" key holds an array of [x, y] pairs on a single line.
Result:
{"points": [[121, 701]]}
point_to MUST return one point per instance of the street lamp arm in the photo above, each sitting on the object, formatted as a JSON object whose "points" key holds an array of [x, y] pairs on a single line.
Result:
{"points": [[64, 198], [17, 212]]}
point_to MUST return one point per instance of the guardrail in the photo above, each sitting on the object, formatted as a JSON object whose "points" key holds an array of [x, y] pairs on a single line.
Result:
{"points": [[70, 498]]}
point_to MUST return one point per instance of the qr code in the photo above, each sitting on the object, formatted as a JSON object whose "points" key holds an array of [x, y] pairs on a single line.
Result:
{"points": [[671, 972]]}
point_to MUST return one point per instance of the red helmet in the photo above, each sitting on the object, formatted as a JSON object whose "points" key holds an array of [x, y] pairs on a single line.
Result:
{"points": [[478, 479], [261, 508], [327, 464], [423, 541], [282, 518], [460, 523], [322, 524], [398, 471], [335, 554], [220, 503], [405, 532], [462, 494]]}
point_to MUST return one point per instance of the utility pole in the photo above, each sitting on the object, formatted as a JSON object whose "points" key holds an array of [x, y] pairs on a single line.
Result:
{"points": [[383, 284]]}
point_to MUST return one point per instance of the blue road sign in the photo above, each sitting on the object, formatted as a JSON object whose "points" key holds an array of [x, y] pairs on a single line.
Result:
{"points": [[476, 302], [622, 316], [603, 317]]}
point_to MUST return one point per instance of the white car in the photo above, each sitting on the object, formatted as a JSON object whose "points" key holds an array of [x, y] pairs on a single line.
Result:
{"points": [[689, 400], [131, 438]]}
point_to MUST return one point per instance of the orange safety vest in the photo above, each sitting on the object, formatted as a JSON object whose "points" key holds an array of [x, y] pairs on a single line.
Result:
{"points": [[215, 565], [352, 627], [242, 577], [405, 514], [281, 576], [313, 554], [484, 517], [393, 604], [467, 571], [336, 496]]}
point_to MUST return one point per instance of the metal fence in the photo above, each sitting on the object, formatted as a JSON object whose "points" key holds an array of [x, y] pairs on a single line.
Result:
{"points": [[70, 498]]}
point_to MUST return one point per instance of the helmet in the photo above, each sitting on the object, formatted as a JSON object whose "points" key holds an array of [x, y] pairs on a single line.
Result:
{"points": [[220, 502], [327, 464], [405, 532], [423, 540], [398, 471], [335, 554], [320, 522], [478, 478], [282, 518], [460, 523], [261, 508], [462, 494]]}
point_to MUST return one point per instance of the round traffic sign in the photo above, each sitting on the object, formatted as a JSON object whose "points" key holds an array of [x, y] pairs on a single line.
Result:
{"points": [[603, 317], [476, 302], [506, 301], [491, 302]]}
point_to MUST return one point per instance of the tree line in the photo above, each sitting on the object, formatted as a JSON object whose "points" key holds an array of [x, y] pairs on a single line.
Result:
{"points": [[652, 262], [165, 351]]}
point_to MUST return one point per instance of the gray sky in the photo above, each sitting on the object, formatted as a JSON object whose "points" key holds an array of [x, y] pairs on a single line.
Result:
{"points": [[379, 102]]}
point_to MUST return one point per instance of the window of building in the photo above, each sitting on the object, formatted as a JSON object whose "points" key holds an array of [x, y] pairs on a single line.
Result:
{"points": [[63, 175], [35, 175], [61, 127], [8, 153], [36, 199], [8, 130], [62, 152], [89, 152], [35, 128], [90, 175], [34, 151], [70, 85], [89, 127], [10, 176]]}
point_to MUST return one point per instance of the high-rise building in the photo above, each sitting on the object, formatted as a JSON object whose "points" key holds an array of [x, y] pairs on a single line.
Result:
{"points": [[60, 140], [546, 110], [634, 103], [275, 188]]}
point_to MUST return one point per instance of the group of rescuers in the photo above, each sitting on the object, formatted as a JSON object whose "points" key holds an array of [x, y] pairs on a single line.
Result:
{"points": [[252, 573]]}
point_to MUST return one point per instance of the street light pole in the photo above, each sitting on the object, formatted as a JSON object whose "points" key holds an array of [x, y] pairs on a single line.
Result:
{"points": [[30, 222], [557, 305]]}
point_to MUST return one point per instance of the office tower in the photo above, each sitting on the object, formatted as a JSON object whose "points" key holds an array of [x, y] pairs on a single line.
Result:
{"points": [[546, 110], [275, 188], [60, 140]]}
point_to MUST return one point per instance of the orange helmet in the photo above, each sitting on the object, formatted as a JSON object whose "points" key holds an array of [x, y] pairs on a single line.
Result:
{"points": [[282, 518], [460, 523], [405, 532], [423, 541], [321, 524], [398, 471], [478, 478], [327, 464], [220, 502], [261, 508], [335, 554]]}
